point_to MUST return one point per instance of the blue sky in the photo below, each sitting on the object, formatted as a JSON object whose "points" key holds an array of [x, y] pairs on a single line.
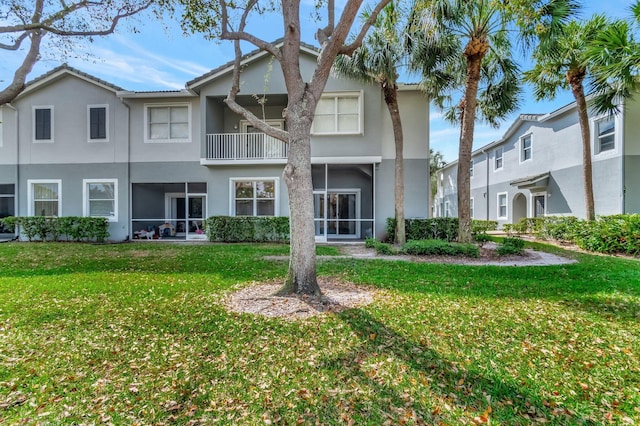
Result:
{"points": [[161, 57]]}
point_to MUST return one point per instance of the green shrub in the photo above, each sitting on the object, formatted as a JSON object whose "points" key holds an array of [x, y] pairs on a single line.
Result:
{"points": [[510, 245], [441, 228], [236, 229], [481, 238], [439, 247], [483, 226], [55, 228], [380, 247]]}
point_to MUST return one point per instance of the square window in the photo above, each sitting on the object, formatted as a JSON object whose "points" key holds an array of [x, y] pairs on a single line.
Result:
{"points": [[167, 123], [254, 197], [101, 198], [44, 197], [338, 113]]}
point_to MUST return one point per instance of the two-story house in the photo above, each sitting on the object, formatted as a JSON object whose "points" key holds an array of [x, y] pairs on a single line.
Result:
{"points": [[536, 168], [75, 145]]}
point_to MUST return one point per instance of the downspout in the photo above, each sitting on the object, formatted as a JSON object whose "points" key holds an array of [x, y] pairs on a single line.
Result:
{"points": [[16, 191], [486, 189], [623, 189], [129, 186]]}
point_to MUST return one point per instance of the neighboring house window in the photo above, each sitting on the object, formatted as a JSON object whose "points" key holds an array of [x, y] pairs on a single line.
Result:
{"points": [[254, 197], [606, 134], [447, 213], [471, 168], [43, 124], [498, 159], [338, 113], [525, 148], [502, 205], [167, 123], [45, 197], [471, 206], [98, 123], [101, 198]]}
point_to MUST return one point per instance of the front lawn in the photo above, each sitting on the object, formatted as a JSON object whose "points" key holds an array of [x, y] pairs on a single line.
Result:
{"points": [[137, 333]]}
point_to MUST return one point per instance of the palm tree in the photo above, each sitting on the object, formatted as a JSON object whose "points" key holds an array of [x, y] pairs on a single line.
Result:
{"points": [[377, 61], [614, 59], [563, 64], [462, 46]]}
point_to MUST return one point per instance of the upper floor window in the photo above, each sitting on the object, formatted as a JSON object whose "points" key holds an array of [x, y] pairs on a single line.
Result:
{"points": [[254, 197], [525, 148], [471, 168], [101, 198], [502, 205], [338, 113], [98, 118], [43, 124], [44, 197], [498, 160], [167, 123], [605, 134]]}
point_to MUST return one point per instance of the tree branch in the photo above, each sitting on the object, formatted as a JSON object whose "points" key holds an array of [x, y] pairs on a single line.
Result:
{"points": [[17, 85], [349, 49], [17, 44]]}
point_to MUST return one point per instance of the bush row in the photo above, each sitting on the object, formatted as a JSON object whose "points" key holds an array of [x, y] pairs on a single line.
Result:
{"points": [[238, 229], [437, 228], [59, 228], [440, 248], [607, 234]]}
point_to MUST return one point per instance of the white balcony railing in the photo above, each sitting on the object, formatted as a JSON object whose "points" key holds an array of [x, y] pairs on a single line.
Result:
{"points": [[244, 146]]}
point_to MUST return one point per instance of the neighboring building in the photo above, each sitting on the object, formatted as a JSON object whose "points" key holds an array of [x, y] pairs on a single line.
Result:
{"points": [[74, 145], [536, 168]]}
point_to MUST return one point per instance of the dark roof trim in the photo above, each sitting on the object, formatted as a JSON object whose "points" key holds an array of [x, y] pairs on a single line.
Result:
{"points": [[66, 69]]}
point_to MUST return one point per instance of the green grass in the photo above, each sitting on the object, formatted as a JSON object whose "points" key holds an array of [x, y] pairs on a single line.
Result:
{"points": [[136, 333]]}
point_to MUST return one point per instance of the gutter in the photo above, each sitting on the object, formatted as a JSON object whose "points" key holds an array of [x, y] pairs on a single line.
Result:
{"points": [[486, 189], [16, 191], [623, 189], [129, 200]]}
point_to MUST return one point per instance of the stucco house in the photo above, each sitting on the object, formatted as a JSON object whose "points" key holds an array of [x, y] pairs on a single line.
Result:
{"points": [[535, 169], [73, 145]]}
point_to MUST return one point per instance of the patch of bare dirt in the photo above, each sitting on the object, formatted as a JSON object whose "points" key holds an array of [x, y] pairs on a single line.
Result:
{"points": [[336, 296]]}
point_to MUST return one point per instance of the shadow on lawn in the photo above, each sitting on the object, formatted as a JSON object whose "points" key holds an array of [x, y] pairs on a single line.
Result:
{"points": [[425, 389]]}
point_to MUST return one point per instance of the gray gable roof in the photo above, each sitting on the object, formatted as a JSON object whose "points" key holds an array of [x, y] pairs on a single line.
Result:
{"points": [[64, 68], [248, 57]]}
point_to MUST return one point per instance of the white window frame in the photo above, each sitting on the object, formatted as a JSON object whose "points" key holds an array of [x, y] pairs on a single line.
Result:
{"points": [[106, 123], [532, 198], [447, 211], [496, 157], [506, 205], [336, 96], [33, 126], [232, 194], [472, 165], [85, 198], [522, 148], [147, 107], [472, 207], [596, 137], [31, 201]]}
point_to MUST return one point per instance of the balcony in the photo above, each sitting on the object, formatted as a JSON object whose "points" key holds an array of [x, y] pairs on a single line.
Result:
{"points": [[243, 148]]}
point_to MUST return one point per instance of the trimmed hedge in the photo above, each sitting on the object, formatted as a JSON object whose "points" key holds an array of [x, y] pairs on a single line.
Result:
{"points": [[379, 247], [607, 234], [64, 228], [510, 245], [437, 228], [439, 247], [237, 229]]}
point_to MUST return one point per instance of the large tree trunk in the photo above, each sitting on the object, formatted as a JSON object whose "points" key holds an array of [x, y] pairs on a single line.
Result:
{"points": [[575, 79], [474, 52], [391, 99], [301, 277]]}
